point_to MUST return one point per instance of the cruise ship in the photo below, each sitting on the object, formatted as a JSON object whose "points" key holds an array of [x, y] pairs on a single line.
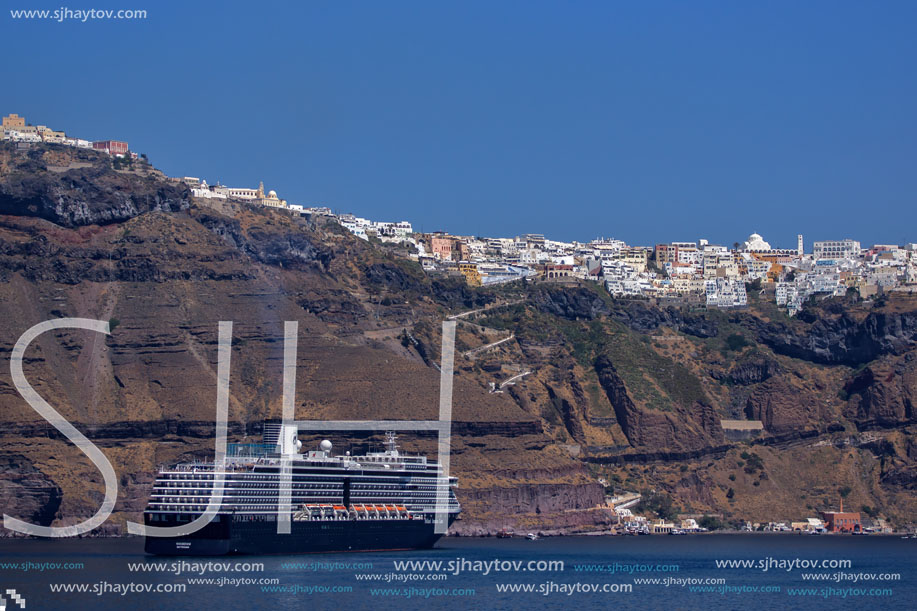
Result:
{"points": [[382, 500]]}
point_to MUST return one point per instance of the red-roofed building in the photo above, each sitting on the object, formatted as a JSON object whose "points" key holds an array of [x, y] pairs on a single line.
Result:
{"points": [[112, 147]]}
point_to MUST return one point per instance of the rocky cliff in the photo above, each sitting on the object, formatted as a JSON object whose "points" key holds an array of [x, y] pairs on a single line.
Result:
{"points": [[76, 187], [626, 392]]}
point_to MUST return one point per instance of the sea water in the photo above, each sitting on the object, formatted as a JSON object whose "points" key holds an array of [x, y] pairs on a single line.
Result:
{"points": [[747, 571]]}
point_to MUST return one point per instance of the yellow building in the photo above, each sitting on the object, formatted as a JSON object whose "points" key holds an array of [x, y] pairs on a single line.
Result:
{"points": [[13, 121], [471, 273], [33, 129], [775, 271], [632, 256], [271, 200], [636, 258], [49, 135]]}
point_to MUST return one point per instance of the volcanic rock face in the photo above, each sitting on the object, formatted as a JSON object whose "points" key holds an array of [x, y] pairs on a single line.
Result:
{"points": [[643, 317], [685, 428], [536, 500], [26, 492], [748, 372], [571, 411], [884, 393], [844, 339], [572, 304], [781, 406], [89, 194], [286, 247]]}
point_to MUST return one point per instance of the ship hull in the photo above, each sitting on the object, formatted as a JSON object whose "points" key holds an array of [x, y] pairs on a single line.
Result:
{"points": [[242, 536]]}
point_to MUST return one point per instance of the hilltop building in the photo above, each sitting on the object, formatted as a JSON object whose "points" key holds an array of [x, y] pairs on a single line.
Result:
{"points": [[200, 188], [114, 148], [470, 272], [14, 121], [270, 200], [449, 248], [15, 128], [755, 243], [836, 249]]}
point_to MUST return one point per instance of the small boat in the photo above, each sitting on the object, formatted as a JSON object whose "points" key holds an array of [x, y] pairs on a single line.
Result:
{"points": [[532, 537], [503, 533]]}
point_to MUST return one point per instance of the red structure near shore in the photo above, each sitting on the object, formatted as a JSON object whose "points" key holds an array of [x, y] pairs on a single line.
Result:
{"points": [[841, 521]]}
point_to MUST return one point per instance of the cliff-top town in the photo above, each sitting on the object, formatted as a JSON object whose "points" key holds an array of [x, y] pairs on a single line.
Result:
{"points": [[691, 272]]}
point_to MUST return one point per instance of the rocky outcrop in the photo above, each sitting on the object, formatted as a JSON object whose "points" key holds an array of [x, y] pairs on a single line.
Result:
{"points": [[94, 195], [534, 507], [569, 303], [285, 247], [571, 414], [337, 307], [750, 371], [902, 478], [644, 317], [131, 257], [782, 406], [506, 429], [394, 277], [454, 293], [842, 339], [27, 493], [537, 498], [883, 393], [683, 428], [695, 488], [625, 410]]}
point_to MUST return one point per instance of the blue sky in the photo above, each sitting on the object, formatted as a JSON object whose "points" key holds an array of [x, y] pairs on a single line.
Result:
{"points": [[646, 121]]}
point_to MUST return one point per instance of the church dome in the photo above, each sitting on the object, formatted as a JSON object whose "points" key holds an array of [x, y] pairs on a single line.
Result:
{"points": [[756, 242]]}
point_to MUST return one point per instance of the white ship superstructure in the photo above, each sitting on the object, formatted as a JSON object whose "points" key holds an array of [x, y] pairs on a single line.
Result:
{"points": [[263, 481]]}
